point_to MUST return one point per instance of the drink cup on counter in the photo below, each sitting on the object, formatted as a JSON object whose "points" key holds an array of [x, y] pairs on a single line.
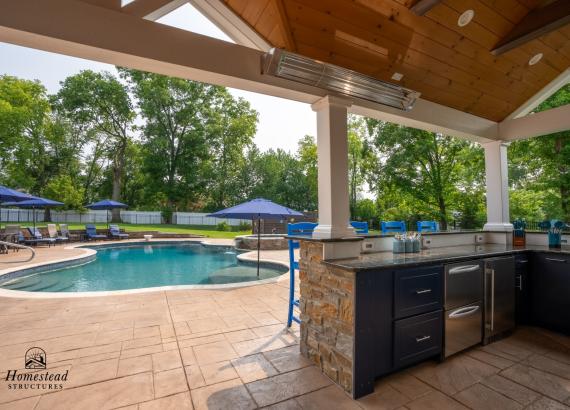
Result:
{"points": [[416, 245], [398, 246]]}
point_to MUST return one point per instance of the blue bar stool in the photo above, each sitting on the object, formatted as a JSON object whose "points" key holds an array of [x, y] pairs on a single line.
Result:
{"points": [[360, 227], [427, 226], [393, 227], [304, 229]]}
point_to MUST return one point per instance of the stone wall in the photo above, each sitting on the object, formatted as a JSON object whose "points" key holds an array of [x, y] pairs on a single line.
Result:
{"points": [[327, 315]]}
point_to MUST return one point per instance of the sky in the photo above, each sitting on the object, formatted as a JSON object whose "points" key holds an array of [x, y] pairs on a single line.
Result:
{"points": [[274, 112]]}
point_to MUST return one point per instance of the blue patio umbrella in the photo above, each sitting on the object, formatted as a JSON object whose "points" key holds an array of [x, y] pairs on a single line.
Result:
{"points": [[35, 203], [11, 195], [257, 209], [106, 204]]}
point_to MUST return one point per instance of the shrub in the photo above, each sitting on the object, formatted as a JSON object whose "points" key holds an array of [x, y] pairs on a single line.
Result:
{"points": [[244, 226], [223, 227]]}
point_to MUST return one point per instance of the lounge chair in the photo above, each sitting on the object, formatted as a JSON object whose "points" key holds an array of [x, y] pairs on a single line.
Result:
{"points": [[91, 232], [11, 233], [52, 231], [64, 229], [115, 232], [37, 238]]}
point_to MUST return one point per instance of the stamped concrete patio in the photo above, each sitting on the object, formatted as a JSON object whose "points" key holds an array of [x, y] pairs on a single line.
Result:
{"points": [[229, 349]]}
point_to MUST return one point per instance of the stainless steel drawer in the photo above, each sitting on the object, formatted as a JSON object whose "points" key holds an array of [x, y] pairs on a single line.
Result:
{"points": [[417, 291], [463, 328], [463, 283], [417, 338]]}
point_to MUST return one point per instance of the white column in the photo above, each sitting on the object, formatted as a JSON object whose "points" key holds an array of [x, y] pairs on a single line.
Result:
{"points": [[497, 176], [332, 151]]}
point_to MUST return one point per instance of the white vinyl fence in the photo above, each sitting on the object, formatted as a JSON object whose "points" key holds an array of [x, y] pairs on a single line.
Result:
{"points": [[132, 217], [26, 215], [198, 218]]}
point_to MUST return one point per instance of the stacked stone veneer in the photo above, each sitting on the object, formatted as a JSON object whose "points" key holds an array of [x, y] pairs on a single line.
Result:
{"points": [[327, 315]]}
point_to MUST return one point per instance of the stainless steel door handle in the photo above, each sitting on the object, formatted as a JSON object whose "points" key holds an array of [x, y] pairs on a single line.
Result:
{"points": [[492, 299], [556, 260], [422, 339], [421, 292], [464, 269], [522, 261], [466, 311]]}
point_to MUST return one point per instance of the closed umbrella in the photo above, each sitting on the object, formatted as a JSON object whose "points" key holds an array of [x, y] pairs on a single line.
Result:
{"points": [[106, 204], [257, 209], [35, 203]]}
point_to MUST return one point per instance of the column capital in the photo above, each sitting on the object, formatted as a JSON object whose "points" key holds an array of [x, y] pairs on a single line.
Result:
{"points": [[500, 143], [329, 100]]}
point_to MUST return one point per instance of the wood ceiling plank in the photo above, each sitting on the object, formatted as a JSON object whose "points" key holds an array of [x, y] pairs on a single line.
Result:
{"points": [[421, 7], [485, 16], [512, 10], [436, 56], [535, 24], [238, 6], [557, 41], [430, 93], [451, 39], [269, 25], [447, 17], [254, 10], [284, 23], [430, 74]]}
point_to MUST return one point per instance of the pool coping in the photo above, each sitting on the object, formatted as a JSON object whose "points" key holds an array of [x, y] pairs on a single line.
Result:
{"points": [[89, 255]]}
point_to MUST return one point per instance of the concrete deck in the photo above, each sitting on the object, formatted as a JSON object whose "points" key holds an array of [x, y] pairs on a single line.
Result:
{"points": [[229, 349]]}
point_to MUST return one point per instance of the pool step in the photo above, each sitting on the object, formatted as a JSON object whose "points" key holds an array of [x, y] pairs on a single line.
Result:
{"points": [[22, 284]]}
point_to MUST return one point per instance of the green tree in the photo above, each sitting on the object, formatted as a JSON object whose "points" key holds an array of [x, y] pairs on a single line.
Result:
{"points": [[542, 164], [307, 157], [360, 159], [65, 190], [175, 147], [231, 125], [101, 103], [423, 165]]}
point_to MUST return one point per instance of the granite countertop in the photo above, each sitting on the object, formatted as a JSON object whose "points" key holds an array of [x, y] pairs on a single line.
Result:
{"points": [[380, 260]]}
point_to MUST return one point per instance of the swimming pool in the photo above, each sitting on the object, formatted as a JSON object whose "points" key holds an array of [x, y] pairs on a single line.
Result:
{"points": [[145, 266]]}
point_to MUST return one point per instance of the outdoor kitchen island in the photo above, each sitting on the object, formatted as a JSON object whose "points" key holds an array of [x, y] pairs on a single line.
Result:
{"points": [[367, 316]]}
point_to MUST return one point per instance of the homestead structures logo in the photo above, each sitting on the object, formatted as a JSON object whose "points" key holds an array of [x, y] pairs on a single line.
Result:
{"points": [[33, 378], [35, 358]]}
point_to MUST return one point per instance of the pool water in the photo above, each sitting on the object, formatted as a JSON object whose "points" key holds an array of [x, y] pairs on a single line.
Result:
{"points": [[146, 266]]}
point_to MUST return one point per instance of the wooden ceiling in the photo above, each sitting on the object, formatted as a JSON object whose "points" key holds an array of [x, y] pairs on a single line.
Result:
{"points": [[448, 64]]}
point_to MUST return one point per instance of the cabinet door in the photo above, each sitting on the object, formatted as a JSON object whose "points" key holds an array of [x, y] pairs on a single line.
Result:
{"points": [[523, 286], [551, 292]]}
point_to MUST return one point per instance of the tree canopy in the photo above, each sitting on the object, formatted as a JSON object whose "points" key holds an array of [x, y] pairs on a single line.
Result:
{"points": [[158, 142]]}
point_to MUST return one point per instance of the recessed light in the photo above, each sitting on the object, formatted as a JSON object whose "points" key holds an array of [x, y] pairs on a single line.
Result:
{"points": [[397, 76], [535, 59], [465, 18]]}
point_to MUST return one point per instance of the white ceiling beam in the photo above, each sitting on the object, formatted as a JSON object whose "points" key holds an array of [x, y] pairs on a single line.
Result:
{"points": [[152, 9], [78, 29], [541, 96], [536, 124], [231, 24]]}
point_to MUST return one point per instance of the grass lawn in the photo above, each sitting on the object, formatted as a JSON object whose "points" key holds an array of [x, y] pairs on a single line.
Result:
{"points": [[208, 231]]}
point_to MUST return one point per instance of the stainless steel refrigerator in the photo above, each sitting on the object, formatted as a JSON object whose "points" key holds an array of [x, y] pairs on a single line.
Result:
{"points": [[499, 314]]}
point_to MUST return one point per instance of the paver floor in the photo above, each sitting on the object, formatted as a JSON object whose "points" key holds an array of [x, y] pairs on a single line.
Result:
{"points": [[229, 349]]}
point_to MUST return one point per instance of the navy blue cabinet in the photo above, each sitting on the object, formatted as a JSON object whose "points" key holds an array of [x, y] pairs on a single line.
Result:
{"points": [[417, 338], [550, 302], [523, 286], [398, 321]]}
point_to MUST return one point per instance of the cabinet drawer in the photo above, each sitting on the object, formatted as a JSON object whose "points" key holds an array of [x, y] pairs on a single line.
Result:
{"points": [[417, 338], [417, 291]]}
